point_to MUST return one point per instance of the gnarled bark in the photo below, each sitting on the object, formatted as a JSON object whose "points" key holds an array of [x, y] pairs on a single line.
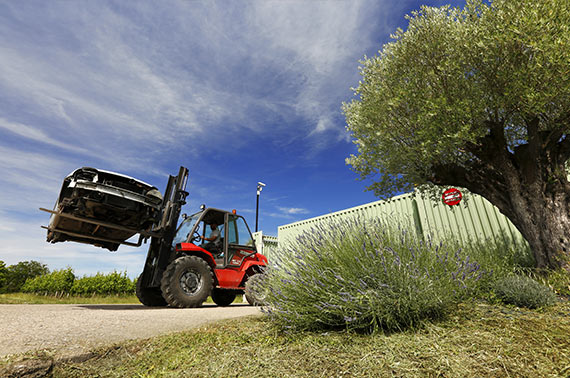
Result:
{"points": [[528, 185]]}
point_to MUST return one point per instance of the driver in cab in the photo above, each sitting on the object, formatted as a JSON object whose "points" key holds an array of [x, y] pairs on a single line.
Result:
{"points": [[214, 241]]}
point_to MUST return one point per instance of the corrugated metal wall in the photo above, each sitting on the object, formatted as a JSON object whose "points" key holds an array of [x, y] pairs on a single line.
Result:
{"points": [[473, 219], [265, 244]]}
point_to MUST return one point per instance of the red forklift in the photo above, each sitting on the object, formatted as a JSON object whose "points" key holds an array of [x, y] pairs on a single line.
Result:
{"points": [[180, 270]]}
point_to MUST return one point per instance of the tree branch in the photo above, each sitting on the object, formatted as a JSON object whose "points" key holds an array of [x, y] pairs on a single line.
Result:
{"points": [[478, 179], [534, 141], [550, 138], [563, 149]]}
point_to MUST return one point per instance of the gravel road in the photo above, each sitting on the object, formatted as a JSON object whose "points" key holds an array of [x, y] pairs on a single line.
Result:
{"points": [[75, 329]]}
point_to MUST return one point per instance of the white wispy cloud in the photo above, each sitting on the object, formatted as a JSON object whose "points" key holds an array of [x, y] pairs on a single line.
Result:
{"points": [[37, 135], [126, 80], [142, 87], [289, 213], [293, 210]]}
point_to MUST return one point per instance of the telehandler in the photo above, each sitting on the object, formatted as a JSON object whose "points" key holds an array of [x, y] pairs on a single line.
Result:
{"points": [[178, 271]]}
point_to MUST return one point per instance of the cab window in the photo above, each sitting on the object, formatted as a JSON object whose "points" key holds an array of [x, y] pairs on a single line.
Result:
{"points": [[238, 233]]}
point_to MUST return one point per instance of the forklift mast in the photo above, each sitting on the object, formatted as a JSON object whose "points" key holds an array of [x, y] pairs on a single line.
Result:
{"points": [[160, 249]]}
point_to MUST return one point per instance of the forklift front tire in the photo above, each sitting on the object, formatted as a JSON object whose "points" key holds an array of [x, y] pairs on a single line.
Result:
{"points": [[187, 282]]}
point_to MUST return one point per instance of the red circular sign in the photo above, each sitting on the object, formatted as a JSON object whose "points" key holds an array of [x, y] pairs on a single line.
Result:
{"points": [[451, 197]]}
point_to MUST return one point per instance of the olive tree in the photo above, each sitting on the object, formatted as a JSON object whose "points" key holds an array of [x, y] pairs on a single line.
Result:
{"points": [[479, 98]]}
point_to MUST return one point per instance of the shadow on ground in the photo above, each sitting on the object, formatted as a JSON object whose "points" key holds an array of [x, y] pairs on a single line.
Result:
{"points": [[134, 307]]}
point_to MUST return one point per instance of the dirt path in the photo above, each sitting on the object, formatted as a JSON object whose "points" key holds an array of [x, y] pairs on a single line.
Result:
{"points": [[75, 329]]}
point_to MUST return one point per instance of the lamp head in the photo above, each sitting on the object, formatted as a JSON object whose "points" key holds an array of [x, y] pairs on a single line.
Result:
{"points": [[260, 186]]}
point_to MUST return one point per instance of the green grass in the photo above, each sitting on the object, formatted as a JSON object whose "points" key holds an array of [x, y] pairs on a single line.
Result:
{"points": [[25, 298], [478, 340]]}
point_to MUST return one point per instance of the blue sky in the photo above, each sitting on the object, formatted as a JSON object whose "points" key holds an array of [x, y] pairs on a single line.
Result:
{"points": [[237, 91]]}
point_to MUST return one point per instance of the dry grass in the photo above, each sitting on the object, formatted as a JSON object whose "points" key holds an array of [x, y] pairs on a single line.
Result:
{"points": [[479, 340]]}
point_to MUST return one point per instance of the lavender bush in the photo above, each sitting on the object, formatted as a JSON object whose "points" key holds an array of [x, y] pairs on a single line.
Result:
{"points": [[523, 291], [367, 276]]}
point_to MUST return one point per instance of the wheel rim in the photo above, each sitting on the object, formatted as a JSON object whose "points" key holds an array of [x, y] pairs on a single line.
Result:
{"points": [[191, 282]]}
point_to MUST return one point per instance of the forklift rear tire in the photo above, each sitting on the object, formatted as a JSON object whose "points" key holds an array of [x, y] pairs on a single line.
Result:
{"points": [[187, 282], [223, 297], [254, 291], [149, 296]]}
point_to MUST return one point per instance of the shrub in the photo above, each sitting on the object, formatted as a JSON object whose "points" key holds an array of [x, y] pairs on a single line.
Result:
{"points": [[366, 276], [16, 275], [58, 281], [502, 255], [104, 284], [524, 292], [3, 276], [64, 281], [557, 280]]}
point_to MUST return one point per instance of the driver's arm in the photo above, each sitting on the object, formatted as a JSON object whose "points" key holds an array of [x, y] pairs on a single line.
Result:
{"points": [[212, 236]]}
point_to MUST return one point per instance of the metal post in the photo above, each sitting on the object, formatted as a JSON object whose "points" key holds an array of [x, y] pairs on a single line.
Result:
{"points": [[257, 211], [260, 186]]}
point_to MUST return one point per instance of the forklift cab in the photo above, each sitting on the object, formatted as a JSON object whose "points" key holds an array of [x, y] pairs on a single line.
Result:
{"points": [[236, 240]]}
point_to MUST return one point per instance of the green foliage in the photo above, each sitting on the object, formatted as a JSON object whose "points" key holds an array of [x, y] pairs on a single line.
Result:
{"points": [[3, 276], [58, 281], [557, 280], [64, 282], [368, 276], [104, 284], [500, 255], [431, 94], [16, 275], [523, 291]]}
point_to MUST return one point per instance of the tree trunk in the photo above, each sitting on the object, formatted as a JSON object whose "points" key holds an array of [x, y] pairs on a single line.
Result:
{"points": [[544, 221], [528, 185], [542, 217]]}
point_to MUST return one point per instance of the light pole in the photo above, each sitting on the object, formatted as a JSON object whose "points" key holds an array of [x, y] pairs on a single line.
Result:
{"points": [[260, 186]]}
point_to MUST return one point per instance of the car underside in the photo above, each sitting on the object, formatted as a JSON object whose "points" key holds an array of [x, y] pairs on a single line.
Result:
{"points": [[103, 208]]}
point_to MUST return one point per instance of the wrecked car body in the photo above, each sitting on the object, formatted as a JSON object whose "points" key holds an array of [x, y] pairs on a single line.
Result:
{"points": [[103, 208]]}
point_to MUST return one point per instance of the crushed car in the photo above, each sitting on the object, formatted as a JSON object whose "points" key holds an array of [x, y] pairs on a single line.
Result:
{"points": [[103, 208]]}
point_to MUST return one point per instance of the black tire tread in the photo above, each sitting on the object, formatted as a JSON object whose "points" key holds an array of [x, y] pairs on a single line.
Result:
{"points": [[250, 295], [151, 297], [223, 297], [167, 283]]}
